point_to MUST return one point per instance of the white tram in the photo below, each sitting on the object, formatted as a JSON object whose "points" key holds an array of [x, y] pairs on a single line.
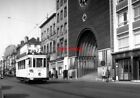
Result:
{"points": [[31, 67]]}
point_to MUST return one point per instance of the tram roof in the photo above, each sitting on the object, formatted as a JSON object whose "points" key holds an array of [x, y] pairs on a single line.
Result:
{"points": [[31, 56]]}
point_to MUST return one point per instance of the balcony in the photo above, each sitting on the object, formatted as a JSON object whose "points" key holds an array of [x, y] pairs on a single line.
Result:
{"points": [[121, 5], [136, 24], [134, 1], [122, 29]]}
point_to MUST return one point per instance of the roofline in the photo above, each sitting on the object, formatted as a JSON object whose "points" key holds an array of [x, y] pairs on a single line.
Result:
{"points": [[53, 15]]}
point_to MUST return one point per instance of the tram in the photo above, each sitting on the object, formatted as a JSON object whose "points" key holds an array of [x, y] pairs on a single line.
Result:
{"points": [[31, 67]]}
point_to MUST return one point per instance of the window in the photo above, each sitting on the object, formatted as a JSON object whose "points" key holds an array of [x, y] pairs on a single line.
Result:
{"points": [[34, 62], [61, 15], [21, 64], [61, 29], [54, 28], [57, 5], [47, 48], [53, 46], [120, 1], [58, 49], [65, 11], [61, 46], [50, 30], [65, 27], [44, 49], [58, 31], [58, 18], [122, 18], [123, 42], [65, 1], [137, 39], [44, 62], [39, 62], [61, 2], [137, 12], [30, 62], [65, 48]]}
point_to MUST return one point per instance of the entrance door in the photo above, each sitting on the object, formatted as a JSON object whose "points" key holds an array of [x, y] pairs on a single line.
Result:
{"points": [[138, 69]]}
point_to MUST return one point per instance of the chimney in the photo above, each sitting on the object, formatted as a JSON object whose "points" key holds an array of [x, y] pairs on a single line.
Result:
{"points": [[26, 39]]}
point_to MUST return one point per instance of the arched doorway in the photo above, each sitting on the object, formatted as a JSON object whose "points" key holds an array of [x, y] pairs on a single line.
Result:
{"points": [[87, 57]]}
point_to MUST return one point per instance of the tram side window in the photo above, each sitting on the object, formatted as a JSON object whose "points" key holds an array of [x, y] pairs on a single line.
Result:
{"points": [[34, 62], [44, 62], [30, 62], [21, 64], [39, 62]]}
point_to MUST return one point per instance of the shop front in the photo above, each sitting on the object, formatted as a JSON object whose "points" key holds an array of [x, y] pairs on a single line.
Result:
{"points": [[127, 65]]}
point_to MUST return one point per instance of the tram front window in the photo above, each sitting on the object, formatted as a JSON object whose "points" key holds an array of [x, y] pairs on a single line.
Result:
{"points": [[39, 62]]}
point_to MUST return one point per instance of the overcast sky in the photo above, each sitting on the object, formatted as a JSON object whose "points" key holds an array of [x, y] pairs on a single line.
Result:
{"points": [[18, 18]]}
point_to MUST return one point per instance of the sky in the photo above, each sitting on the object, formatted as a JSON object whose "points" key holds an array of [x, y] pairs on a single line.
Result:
{"points": [[20, 18]]}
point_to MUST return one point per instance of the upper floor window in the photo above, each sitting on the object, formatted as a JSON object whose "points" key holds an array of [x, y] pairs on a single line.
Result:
{"points": [[65, 27], [44, 49], [54, 28], [54, 46], [50, 30], [61, 15], [120, 1], [61, 29], [51, 47], [61, 2], [57, 4], [65, 1], [65, 11], [122, 18], [47, 48], [137, 12], [58, 18], [58, 31], [65, 48]]}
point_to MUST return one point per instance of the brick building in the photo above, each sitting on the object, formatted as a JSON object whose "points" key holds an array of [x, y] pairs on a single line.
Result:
{"points": [[83, 38], [89, 29]]}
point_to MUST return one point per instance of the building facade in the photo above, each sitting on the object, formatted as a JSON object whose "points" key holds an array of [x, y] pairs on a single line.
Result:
{"points": [[49, 40], [89, 29], [126, 31], [62, 35], [83, 36], [28, 46]]}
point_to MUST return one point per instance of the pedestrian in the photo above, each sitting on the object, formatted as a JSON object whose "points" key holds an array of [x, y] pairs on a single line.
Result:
{"points": [[107, 75]]}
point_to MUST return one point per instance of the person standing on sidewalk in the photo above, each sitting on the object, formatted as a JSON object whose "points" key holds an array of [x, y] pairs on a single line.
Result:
{"points": [[107, 75]]}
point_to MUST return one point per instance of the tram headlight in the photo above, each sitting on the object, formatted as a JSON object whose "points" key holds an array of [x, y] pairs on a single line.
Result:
{"points": [[31, 70]]}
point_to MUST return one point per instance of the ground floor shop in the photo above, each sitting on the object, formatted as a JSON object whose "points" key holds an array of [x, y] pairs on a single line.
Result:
{"points": [[126, 65]]}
